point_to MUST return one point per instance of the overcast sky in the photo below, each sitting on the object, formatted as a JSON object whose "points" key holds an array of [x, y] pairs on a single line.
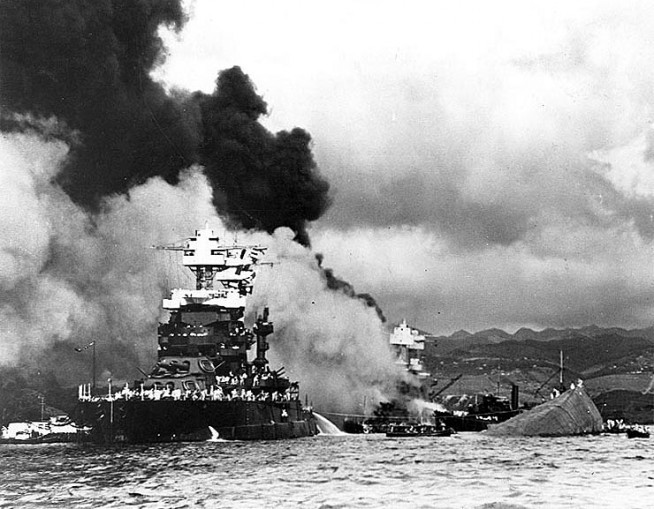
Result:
{"points": [[491, 162]]}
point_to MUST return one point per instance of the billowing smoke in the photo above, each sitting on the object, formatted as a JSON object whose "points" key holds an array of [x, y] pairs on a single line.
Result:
{"points": [[424, 410], [99, 163], [88, 64], [260, 180], [69, 278], [338, 284], [337, 346]]}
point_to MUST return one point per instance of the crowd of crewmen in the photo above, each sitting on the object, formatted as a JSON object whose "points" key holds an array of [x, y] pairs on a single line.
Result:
{"points": [[229, 388], [244, 380]]}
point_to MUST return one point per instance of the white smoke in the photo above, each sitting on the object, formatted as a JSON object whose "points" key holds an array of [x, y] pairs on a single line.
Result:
{"points": [[337, 346], [424, 410], [31, 304], [68, 278]]}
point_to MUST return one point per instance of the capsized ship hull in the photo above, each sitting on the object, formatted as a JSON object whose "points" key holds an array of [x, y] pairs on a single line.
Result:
{"points": [[136, 421], [571, 413]]}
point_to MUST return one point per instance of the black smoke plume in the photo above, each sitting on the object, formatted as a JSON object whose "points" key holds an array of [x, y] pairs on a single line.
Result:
{"points": [[260, 180], [88, 63], [337, 284]]}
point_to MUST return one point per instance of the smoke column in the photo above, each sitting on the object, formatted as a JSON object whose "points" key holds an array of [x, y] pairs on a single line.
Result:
{"points": [[95, 162], [338, 284], [88, 64], [260, 180], [336, 345]]}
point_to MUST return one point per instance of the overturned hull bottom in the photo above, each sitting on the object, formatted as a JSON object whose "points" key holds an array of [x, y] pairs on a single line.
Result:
{"points": [[137, 421], [572, 413]]}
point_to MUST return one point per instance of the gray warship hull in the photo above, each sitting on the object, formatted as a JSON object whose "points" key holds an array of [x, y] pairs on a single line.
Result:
{"points": [[136, 421]]}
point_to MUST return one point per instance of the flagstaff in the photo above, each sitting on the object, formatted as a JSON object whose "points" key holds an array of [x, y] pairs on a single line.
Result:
{"points": [[93, 367]]}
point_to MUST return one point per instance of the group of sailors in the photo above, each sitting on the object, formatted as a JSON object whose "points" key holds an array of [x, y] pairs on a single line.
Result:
{"points": [[615, 426], [213, 393], [242, 379], [556, 392]]}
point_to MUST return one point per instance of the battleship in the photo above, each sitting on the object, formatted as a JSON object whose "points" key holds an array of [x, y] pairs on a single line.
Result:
{"points": [[203, 386]]}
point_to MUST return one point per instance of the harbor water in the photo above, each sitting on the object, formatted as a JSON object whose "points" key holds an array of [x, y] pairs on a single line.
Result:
{"points": [[468, 470]]}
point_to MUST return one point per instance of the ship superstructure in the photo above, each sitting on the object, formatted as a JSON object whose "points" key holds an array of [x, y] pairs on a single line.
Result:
{"points": [[205, 334], [409, 344], [203, 383]]}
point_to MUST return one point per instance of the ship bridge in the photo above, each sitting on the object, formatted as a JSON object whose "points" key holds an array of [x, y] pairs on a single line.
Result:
{"points": [[224, 274], [408, 344]]}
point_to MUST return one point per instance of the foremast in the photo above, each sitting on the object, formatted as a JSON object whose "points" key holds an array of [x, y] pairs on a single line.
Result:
{"points": [[224, 274], [208, 320]]}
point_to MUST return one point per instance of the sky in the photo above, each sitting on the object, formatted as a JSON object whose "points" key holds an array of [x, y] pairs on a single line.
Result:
{"points": [[491, 164]]}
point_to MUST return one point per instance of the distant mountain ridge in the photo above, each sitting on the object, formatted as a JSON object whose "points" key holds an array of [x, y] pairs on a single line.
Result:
{"points": [[465, 339], [590, 352]]}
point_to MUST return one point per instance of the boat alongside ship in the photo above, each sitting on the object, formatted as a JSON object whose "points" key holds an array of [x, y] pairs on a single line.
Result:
{"points": [[637, 432], [203, 383], [407, 430]]}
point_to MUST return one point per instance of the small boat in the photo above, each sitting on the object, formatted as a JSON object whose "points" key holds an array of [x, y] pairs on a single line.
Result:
{"points": [[418, 430], [55, 430], [637, 432]]}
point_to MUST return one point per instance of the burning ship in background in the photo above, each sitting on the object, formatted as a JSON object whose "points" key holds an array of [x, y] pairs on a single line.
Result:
{"points": [[203, 384], [409, 344], [409, 404]]}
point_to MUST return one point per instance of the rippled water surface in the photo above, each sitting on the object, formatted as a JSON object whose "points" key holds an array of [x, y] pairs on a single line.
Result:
{"points": [[465, 470]]}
